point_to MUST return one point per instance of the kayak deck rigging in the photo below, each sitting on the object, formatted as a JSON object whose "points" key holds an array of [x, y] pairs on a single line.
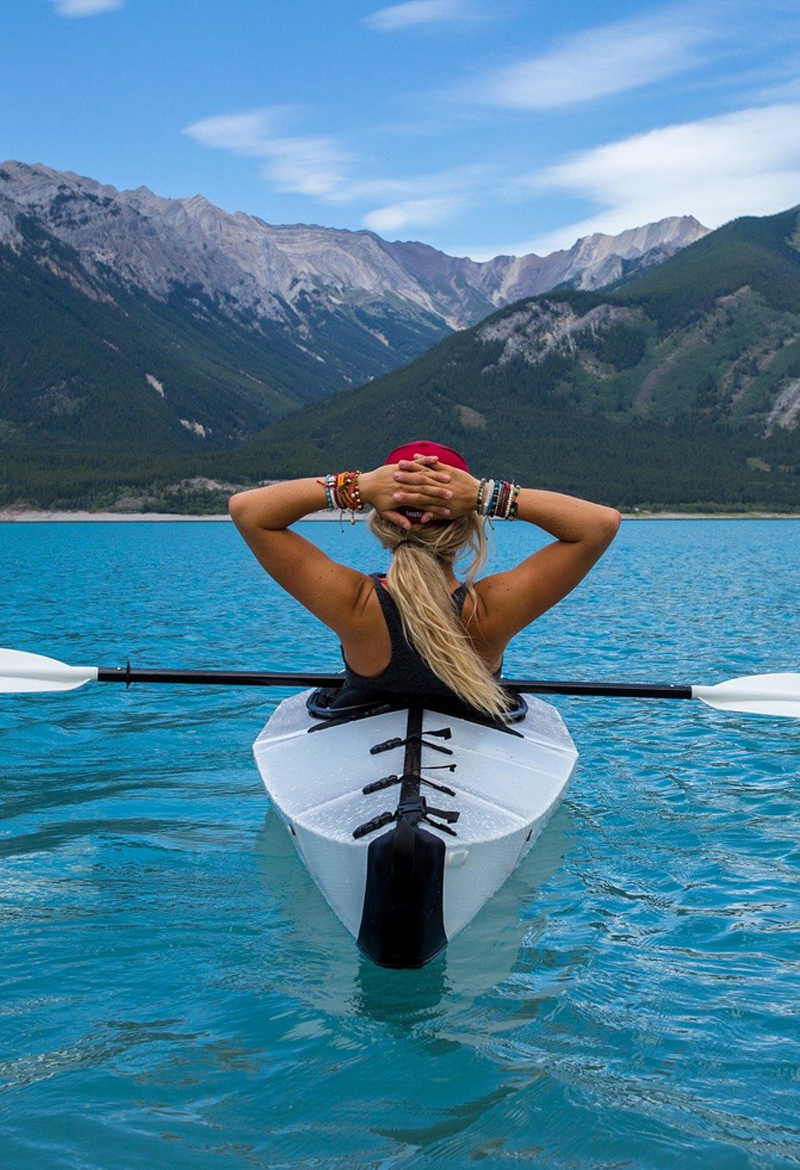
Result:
{"points": [[404, 880], [412, 805]]}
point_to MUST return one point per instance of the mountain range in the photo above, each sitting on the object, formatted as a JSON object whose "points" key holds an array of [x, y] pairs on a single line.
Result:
{"points": [[170, 324], [154, 351], [680, 386]]}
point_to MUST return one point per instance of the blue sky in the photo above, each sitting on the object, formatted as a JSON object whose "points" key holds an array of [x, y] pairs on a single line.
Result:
{"points": [[478, 126]]}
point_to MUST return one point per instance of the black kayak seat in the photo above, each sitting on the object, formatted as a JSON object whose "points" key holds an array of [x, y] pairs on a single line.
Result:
{"points": [[344, 701]]}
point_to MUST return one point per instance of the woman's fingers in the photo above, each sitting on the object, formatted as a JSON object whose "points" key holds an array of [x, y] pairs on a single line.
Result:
{"points": [[425, 482], [422, 476], [424, 487], [407, 500], [412, 471], [399, 519], [428, 464], [422, 495]]}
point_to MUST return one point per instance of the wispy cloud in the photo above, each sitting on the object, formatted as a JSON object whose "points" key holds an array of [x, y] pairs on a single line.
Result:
{"points": [[597, 62], [305, 165], [718, 168], [778, 81], [448, 183], [322, 167], [416, 12], [85, 7], [416, 212]]}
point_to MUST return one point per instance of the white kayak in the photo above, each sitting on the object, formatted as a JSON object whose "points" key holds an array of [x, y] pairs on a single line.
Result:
{"points": [[410, 817]]}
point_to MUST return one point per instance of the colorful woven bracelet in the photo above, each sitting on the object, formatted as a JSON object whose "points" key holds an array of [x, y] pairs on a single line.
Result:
{"points": [[495, 494], [329, 483], [499, 500], [340, 495], [502, 499], [348, 490], [342, 492]]}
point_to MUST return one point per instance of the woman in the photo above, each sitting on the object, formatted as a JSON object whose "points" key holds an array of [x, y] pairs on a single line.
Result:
{"points": [[419, 631]]}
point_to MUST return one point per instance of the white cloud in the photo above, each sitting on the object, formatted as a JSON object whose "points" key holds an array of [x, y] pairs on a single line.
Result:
{"points": [[241, 133], [414, 12], [85, 7], [302, 165], [717, 168], [778, 82], [322, 168], [419, 212], [449, 182], [600, 61], [741, 163], [307, 166]]}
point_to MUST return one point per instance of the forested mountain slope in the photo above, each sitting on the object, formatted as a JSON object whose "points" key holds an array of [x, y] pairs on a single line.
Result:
{"points": [[681, 385], [131, 320]]}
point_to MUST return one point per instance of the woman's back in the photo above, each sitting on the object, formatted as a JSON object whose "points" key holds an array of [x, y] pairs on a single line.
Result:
{"points": [[427, 512], [382, 659]]}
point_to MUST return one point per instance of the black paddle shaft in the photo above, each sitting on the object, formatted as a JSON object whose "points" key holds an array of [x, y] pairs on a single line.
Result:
{"points": [[253, 678], [216, 678]]}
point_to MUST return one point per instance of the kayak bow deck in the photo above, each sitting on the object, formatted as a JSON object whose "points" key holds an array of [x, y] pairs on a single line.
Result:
{"points": [[410, 814]]}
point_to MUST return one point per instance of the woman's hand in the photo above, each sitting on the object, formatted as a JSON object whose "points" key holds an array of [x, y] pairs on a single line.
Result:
{"points": [[424, 472], [420, 483]]}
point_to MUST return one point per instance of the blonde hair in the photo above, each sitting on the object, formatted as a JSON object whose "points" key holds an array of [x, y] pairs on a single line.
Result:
{"points": [[419, 586]]}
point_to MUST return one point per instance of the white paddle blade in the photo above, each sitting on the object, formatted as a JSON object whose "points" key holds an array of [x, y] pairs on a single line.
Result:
{"points": [[22, 673], [761, 694]]}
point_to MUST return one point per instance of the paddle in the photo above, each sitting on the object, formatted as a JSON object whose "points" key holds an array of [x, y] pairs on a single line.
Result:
{"points": [[760, 694]]}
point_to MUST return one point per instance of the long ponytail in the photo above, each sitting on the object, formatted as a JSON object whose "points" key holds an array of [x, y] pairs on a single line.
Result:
{"points": [[419, 586]]}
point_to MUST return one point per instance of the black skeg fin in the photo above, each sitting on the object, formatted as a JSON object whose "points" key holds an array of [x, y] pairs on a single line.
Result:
{"points": [[402, 920], [402, 923]]}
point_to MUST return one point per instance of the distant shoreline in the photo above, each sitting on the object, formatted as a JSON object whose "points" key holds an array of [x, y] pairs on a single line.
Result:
{"points": [[32, 516]]}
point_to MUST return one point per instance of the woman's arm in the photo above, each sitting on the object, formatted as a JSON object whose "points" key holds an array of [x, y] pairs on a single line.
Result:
{"points": [[513, 599], [331, 591], [568, 518], [583, 532]]}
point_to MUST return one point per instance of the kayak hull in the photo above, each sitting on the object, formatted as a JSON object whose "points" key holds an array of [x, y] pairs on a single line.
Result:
{"points": [[422, 862]]}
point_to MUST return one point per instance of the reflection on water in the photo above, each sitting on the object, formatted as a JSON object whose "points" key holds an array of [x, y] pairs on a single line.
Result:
{"points": [[344, 982]]}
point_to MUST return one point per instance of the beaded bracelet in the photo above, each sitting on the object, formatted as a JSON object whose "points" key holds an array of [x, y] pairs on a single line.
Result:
{"points": [[328, 483], [347, 491], [502, 499], [499, 500], [342, 492], [495, 494]]}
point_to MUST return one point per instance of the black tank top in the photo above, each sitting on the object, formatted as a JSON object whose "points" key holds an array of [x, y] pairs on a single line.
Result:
{"points": [[407, 672]]}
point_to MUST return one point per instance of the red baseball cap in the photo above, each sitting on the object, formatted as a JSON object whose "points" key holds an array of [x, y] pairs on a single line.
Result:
{"points": [[444, 454]]}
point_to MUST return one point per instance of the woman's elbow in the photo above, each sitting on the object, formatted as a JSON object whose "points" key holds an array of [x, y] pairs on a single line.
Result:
{"points": [[608, 522], [614, 520], [237, 506]]}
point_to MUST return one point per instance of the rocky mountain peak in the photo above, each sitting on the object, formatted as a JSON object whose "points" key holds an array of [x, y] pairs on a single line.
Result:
{"points": [[257, 268]]}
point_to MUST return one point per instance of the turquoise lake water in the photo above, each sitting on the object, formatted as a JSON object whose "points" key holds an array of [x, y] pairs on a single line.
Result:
{"points": [[175, 992]]}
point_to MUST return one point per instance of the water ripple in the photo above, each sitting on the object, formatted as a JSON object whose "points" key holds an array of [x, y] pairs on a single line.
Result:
{"points": [[175, 990]]}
